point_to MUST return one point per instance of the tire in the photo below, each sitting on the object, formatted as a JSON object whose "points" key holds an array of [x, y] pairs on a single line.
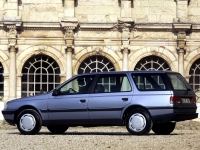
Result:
{"points": [[29, 122], [163, 128], [57, 129], [138, 122]]}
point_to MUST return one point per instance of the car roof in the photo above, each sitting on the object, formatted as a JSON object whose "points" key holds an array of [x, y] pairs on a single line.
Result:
{"points": [[136, 71]]}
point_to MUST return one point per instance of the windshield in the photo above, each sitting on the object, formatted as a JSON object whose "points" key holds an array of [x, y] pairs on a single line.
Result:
{"points": [[178, 82]]}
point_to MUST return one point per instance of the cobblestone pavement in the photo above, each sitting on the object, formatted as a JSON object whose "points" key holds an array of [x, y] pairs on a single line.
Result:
{"points": [[185, 137]]}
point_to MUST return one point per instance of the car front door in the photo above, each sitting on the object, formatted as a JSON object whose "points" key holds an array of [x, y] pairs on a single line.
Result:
{"points": [[69, 105], [111, 94]]}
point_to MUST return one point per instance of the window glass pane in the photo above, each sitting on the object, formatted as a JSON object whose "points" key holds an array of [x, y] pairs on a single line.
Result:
{"points": [[79, 85], [178, 82], [149, 82], [114, 83]]}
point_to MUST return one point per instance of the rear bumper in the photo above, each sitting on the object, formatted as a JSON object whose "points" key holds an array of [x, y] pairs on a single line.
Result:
{"points": [[174, 117]]}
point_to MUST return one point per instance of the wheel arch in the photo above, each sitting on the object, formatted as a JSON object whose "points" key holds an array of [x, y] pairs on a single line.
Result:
{"points": [[130, 108], [23, 108]]}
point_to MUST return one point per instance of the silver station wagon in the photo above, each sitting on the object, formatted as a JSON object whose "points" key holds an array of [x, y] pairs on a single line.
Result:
{"points": [[139, 100]]}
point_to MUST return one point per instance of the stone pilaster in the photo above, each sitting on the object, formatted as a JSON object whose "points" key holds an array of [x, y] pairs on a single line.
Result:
{"points": [[69, 8], [69, 24], [181, 11], [12, 10], [125, 13]]}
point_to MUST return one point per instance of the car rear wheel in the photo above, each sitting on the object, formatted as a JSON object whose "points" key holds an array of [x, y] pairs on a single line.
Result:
{"points": [[163, 128], [138, 122], [57, 129], [29, 122]]}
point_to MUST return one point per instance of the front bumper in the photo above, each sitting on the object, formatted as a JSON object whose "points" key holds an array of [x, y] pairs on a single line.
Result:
{"points": [[9, 116]]}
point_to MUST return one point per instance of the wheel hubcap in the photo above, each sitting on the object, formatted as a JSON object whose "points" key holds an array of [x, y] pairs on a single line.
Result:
{"points": [[137, 122], [27, 122]]}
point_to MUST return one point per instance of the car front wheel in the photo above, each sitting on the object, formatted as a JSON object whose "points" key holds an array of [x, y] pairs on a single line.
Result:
{"points": [[138, 122], [29, 122], [57, 129], [163, 128]]}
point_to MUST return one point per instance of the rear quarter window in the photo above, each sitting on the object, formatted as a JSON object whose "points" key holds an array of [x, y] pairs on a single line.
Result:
{"points": [[149, 82], [178, 82]]}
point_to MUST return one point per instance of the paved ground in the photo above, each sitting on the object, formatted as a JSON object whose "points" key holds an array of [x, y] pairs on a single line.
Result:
{"points": [[185, 137]]}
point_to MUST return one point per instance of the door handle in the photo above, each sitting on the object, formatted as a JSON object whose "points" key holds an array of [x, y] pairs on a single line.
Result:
{"points": [[82, 101], [125, 99]]}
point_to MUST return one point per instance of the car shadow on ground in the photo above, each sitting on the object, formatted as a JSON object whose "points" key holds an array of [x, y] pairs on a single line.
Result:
{"points": [[97, 133]]}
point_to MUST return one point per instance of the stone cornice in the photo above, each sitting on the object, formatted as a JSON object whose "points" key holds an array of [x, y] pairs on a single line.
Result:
{"points": [[96, 26], [153, 27], [183, 27], [26, 25]]}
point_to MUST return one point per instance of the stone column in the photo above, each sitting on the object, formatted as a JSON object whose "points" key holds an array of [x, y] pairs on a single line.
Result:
{"points": [[125, 52], [181, 53], [12, 70], [12, 73], [69, 24], [125, 47], [69, 66], [181, 38]]}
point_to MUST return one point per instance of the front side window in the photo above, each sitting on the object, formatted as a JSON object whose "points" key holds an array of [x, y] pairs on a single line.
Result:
{"points": [[148, 82], [112, 83], [79, 85], [178, 82]]}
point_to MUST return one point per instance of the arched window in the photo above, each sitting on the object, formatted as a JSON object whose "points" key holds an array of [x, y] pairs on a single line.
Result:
{"points": [[96, 64], [152, 63], [194, 73], [1, 81], [39, 75]]}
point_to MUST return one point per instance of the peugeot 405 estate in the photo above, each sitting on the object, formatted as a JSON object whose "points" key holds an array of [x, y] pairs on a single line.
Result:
{"points": [[139, 100]]}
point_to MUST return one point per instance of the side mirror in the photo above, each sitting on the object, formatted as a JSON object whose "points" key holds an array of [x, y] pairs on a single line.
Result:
{"points": [[55, 92]]}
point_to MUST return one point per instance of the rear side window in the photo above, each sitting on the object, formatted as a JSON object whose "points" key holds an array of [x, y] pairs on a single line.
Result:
{"points": [[178, 82], [112, 83], [149, 82]]}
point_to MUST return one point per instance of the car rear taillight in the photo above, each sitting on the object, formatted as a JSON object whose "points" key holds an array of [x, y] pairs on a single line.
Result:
{"points": [[175, 100], [181, 100], [193, 100]]}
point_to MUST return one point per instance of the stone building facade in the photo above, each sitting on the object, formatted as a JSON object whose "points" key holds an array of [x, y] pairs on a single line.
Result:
{"points": [[45, 42]]}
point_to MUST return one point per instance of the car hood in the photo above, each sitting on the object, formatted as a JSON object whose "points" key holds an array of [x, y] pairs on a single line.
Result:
{"points": [[37, 97]]}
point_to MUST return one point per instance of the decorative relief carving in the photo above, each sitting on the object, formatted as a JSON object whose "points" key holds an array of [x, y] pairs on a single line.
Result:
{"points": [[12, 33], [69, 34], [181, 40]]}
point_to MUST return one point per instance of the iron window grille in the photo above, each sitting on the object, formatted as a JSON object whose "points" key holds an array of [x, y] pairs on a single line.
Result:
{"points": [[40, 74]]}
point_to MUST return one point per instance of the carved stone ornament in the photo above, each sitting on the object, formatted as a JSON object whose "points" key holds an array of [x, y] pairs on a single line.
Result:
{"points": [[181, 40], [125, 33], [69, 34], [12, 33]]}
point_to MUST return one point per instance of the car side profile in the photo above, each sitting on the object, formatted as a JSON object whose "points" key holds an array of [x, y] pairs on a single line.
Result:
{"points": [[140, 100]]}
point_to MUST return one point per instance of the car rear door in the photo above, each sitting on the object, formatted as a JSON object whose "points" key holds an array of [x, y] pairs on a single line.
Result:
{"points": [[111, 94]]}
